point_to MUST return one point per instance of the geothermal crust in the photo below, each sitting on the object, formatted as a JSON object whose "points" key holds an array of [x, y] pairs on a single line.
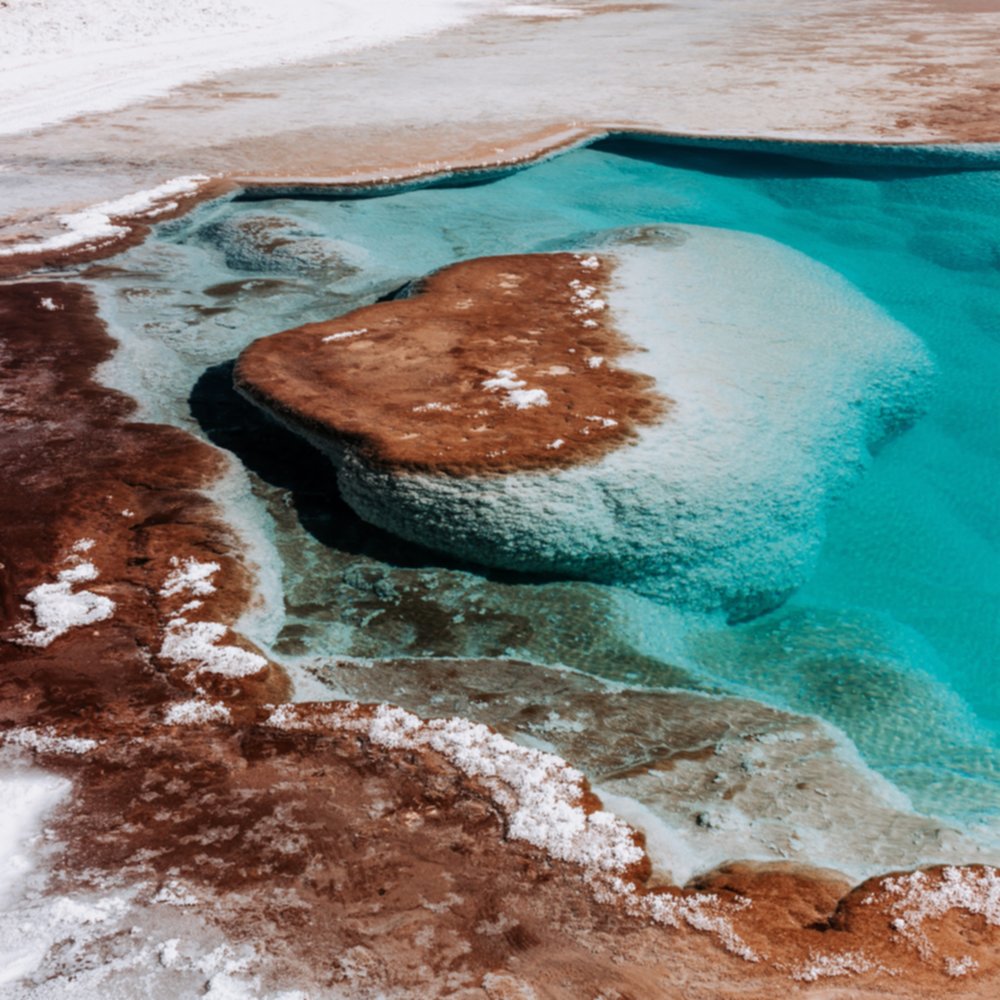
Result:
{"points": [[675, 417]]}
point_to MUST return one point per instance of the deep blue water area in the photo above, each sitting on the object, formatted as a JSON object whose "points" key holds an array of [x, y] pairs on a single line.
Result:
{"points": [[896, 636]]}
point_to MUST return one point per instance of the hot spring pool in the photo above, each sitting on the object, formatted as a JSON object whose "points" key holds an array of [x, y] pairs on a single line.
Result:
{"points": [[894, 638]]}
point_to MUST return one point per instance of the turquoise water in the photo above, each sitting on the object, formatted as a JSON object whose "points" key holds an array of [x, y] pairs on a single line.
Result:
{"points": [[896, 636]]}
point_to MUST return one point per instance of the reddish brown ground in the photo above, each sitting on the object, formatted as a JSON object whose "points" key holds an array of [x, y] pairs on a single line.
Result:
{"points": [[73, 462], [409, 390], [345, 855]]}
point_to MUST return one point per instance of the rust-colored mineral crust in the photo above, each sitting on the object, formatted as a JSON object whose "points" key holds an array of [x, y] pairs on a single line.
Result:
{"points": [[497, 364], [348, 861]]}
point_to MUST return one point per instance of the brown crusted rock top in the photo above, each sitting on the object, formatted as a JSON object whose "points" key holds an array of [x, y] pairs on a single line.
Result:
{"points": [[497, 364]]}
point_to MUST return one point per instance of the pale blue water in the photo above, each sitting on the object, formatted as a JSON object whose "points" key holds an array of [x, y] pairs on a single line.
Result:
{"points": [[896, 637]]}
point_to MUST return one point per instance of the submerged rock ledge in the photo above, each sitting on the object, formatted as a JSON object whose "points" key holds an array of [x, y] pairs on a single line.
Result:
{"points": [[673, 411]]}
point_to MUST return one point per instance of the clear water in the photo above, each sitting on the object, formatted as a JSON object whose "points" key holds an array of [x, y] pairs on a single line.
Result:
{"points": [[896, 636]]}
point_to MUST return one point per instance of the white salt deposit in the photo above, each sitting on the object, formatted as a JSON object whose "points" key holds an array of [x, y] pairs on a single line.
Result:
{"points": [[823, 966], [539, 10], [28, 796], [346, 335], [95, 224], [433, 408], [957, 967], [782, 377], [57, 607], [47, 741], [917, 896], [58, 60], [197, 644], [585, 300], [514, 389], [189, 577], [674, 851], [196, 711], [540, 793], [505, 379], [127, 942], [541, 797], [523, 399], [703, 911]]}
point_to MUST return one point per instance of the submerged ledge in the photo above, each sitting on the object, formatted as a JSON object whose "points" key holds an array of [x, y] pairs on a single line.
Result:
{"points": [[601, 414]]}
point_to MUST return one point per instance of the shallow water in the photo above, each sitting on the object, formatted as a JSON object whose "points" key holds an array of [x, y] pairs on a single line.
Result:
{"points": [[894, 638]]}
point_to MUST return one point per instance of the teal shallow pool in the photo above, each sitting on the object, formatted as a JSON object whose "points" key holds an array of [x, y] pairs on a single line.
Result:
{"points": [[896, 635]]}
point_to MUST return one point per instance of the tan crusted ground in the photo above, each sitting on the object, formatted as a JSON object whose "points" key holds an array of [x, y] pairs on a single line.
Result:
{"points": [[502, 89], [411, 383]]}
